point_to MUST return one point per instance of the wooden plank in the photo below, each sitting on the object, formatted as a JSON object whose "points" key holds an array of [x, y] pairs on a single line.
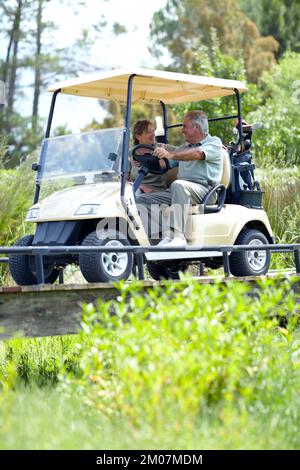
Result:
{"points": [[51, 310], [46, 312]]}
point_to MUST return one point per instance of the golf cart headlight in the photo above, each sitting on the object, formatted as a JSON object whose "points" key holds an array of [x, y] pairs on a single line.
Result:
{"points": [[33, 213], [88, 209]]}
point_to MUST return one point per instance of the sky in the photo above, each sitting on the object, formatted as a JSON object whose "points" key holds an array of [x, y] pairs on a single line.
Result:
{"points": [[125, 50]]}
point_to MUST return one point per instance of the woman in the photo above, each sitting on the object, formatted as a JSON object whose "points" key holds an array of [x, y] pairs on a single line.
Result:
{"points": [[143, 132]]}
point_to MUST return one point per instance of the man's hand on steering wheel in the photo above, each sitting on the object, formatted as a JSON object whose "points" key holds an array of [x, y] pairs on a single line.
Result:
{"points": [[161, 152], [154, 164]]}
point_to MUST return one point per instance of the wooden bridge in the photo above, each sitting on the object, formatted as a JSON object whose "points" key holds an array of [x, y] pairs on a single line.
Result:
{"points": [[50, 310]]}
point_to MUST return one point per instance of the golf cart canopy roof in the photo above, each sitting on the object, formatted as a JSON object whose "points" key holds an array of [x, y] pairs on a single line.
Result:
{"points": [[149, 86]]}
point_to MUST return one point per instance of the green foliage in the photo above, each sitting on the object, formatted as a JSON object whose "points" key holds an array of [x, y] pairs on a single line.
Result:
{"points": [[180, 366], [17, 189], [211, 61], [39, 361], [3, 148], [36, 419], [277, 143], [279, 18], [21, 139], [116, 112], [32, 48], [156, 362], [281, 201], [183, 27]]}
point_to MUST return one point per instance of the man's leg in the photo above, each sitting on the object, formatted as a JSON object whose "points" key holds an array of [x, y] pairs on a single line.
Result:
{"points": [[149, 206], [184, 193]]}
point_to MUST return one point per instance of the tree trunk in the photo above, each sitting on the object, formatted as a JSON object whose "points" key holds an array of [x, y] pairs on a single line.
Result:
{"points": [[37, 64], [8, 52], [11, 88]]}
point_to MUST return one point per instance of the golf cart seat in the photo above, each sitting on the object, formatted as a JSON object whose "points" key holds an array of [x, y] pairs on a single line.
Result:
{"points": [[217, 192]]}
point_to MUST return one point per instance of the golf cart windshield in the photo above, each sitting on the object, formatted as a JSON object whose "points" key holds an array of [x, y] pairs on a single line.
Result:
{"points": [[81, 158]]}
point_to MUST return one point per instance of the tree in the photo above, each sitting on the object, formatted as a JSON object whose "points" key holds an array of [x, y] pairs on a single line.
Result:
{"points": [[20, 35], [183, 26], [30, 48], [279, 18], [10, 65], [211, 61], [37, 64], [277, 143], [116, 112]]}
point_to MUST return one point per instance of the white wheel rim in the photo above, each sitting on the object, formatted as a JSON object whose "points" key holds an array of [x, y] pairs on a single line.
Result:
{"points": [[114, 263], [257, 258]]}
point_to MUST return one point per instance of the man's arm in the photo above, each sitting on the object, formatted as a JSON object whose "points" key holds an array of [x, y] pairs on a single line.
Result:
{"points": [[187, 155]]}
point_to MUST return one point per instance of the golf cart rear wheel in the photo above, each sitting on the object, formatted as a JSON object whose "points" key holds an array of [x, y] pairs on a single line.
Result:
{"points": [[106, 267], [252, 262], [166, 270], [22, 267]]}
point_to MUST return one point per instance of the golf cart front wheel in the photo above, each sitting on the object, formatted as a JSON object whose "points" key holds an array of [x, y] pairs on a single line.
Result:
{"points": [[252, 262], [22, 267], [106, 266]]}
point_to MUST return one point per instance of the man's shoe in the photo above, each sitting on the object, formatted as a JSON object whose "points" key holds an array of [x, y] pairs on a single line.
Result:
{"points": [[164, 241], [177, 241]]}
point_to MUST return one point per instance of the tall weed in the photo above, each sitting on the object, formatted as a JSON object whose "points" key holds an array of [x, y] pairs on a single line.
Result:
{"points": [[282, 204], [17, 190]]}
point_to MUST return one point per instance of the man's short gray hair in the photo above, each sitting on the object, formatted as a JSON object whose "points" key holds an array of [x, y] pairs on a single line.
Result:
{"points": [[200, 118]]}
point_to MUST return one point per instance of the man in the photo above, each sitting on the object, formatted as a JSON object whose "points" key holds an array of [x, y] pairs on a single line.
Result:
{"points": [[199, 163]]}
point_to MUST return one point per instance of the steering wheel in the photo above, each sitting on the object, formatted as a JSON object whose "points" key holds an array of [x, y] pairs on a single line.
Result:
{"points": [[150, 161]]}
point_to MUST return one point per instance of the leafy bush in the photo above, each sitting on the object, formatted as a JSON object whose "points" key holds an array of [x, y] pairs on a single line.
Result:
{"points": [[212, 62], [182, 351], [274, 102], [277, 143], [180, 366], [17, 190]]}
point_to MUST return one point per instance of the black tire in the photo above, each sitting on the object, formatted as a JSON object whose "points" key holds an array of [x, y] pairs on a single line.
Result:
{"points": [[250, 263], [105, 267], [213, 263], [22, 267], [166, 270]]}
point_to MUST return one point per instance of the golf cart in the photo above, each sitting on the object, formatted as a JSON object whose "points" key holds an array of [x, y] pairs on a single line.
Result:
{"points": [[88, 200]]}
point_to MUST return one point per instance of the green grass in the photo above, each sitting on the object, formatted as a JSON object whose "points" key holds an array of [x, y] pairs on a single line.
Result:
{"points": [[182, 366], [17, 190], [47, 419], [281, 201]]}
